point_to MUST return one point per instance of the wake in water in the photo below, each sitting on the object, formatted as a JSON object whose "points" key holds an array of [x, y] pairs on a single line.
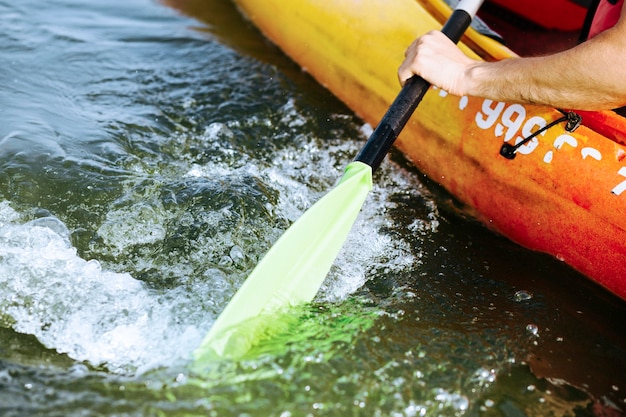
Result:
{"points": [[75, 307], [96, 311]]}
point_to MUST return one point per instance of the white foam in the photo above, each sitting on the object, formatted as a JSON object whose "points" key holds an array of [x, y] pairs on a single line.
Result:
{"points": [[367, 246], [134, 225], [75, 307], [109, 318]]}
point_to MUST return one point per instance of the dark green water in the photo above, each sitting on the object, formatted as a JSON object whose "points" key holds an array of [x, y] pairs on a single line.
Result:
{"points": [[147, 161]]}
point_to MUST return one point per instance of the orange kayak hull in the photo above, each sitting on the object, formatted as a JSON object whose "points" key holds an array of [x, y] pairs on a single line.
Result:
{"points": [[563, 194]]}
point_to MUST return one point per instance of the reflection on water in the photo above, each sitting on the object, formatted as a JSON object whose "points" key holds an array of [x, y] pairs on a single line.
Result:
{"points": [[147, 161]]}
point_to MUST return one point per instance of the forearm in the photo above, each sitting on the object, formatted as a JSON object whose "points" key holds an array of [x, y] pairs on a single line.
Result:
{"points": [[591, 76]]}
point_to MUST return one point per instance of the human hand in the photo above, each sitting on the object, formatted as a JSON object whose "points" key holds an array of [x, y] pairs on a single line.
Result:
{"points": [[439, 61]]}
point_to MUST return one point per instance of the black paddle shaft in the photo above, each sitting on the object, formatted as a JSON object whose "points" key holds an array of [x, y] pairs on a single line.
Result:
{"points": [[398, 114]]}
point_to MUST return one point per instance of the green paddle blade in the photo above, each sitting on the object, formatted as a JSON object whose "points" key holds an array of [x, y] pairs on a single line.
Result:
{"points": [[293, 270]]}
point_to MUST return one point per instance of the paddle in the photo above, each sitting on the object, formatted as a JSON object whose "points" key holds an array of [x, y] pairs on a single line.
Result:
{"points": [[293, 270]]}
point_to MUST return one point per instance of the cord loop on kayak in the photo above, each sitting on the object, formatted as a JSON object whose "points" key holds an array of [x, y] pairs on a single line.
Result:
{"points": [[573, 121]]}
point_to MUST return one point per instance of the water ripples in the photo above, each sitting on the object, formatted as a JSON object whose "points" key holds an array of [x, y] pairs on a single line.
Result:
{"points": [[145, 167]]}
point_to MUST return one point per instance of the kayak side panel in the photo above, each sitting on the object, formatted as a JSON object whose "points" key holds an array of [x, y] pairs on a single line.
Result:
{"points": [[564, 192]]}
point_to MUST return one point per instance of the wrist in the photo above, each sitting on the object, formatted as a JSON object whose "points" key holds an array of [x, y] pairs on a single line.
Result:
{"points": [[473, 79]]}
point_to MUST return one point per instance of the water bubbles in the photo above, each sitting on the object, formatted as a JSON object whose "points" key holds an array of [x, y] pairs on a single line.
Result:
{"points": [[54, 224], [533, 329], [522, 295], [98, 313], [451, 399], [77, 308], [218, 130], [136, 225], [366, 130], [360, 404], [5, 376], [415, 410], [318, 406], [7, 214], [484, 377], [237, 255], [79, 370], [398, 382], [93, 266], [291, 116], [225, 261], [199, 228], [188, 102]]}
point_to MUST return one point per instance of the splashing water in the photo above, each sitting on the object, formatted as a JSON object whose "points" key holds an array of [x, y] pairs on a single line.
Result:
{"points": [[108, 318], [148, 161], [75, 307]]}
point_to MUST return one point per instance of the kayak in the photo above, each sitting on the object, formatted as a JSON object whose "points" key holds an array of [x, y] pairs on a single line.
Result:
{"points": [[550, 180]]}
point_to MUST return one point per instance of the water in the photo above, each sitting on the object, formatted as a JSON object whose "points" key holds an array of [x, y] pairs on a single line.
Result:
{"points": [[149, 159]]}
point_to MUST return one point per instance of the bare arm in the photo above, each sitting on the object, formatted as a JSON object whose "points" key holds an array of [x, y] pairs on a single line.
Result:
{"points": [[590, 76]]}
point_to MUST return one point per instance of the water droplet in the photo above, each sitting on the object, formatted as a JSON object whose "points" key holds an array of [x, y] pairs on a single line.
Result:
{"points": [[225, 261], [189, 102], [485, 376], [454, 400], [237, 254], [533, 329], [53, 224], [522, 295], [5, 376], [79, 370]]}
